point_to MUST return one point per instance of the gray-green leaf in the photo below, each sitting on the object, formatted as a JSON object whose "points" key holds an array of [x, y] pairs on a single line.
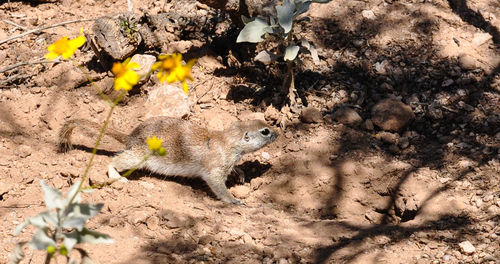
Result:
{"points": [[17, 254], [79, 214], [253, 31], [265, 57], [52, 196], [41, 240], [89, 236], [302, 7], [291, 52], [72, 190], [285, 15], [312, 50], [70, 240], [245, 19], [40, 220]]}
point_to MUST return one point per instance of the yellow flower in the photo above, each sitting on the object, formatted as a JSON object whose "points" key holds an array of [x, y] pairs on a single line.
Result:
{"points": [[172, 70], [125, 76], [65, 47], [154, 143]]}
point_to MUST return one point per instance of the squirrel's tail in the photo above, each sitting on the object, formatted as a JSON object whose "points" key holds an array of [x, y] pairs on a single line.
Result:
{"points": [[64, 142]]}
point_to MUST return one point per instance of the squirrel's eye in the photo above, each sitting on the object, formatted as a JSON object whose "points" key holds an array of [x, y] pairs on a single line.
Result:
{"points": [[265, 131]]}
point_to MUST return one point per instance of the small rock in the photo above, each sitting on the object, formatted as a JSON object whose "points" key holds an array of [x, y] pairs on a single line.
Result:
{"points": [[241, 191], [481, 38], [369, 125], [467, 62], [166, 100], [5, 187], [394, 148], [434, 111], [147, 185], [272, 113], [145, 63], [347, 116], [252, 116], [404, 142], [311, 115], [265, 156], [387, 137], [368, 14], [447, 83], [467, 247], [293, 147], [391, 115], [138, 217], [206, 239], [23, 151], [153, 223]]}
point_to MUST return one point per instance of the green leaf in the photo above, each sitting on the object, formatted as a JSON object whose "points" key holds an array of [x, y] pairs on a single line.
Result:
{"points": [[312, 50], [285, 15], [52, 196], [291, 52], [253, 31], [41, 240], [321, 1]]}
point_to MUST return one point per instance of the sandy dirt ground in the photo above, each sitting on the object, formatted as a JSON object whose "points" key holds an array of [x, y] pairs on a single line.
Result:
{"points": [[328, 190]]}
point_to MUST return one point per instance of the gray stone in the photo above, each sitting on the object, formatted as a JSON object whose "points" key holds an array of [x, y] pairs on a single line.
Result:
{"points": [[392, 115]]}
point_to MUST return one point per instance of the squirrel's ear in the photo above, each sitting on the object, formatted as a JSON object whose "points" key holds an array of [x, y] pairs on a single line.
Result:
{"points": [[246, 137]]}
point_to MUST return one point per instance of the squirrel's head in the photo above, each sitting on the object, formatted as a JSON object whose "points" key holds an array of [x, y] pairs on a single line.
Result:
{"points": [[255, 135]]}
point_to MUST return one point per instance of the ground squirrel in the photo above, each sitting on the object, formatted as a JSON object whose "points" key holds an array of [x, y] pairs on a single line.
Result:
{"points": [[191, 150]]}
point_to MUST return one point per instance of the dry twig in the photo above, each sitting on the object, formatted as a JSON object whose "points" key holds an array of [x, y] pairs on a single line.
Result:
{"points": [[44, 28]]}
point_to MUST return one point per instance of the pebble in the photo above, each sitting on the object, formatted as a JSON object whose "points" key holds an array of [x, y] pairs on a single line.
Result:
{"points": [[467, 62], [347, 116], [392, 115], [466, 247], [240, 191], [311, 115], [265, 156], [145, 63], [293, 147], [368, 14], [481, 38], [166, 100]]}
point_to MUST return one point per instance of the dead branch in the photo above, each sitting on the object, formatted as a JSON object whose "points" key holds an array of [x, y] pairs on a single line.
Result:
{"points": [[44, 28]]}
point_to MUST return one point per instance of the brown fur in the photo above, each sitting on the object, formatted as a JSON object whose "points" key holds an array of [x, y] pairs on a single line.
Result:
{"points": [[191, 150]]}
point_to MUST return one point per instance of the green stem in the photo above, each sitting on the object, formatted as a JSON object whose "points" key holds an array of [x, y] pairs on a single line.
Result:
{"points": [[98, 141], [125, 175], [87, 75]]}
